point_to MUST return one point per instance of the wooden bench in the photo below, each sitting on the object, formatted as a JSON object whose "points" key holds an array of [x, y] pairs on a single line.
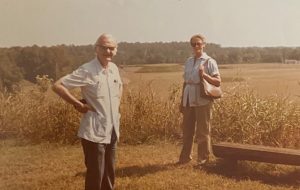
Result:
{"points": [[235, 152]]}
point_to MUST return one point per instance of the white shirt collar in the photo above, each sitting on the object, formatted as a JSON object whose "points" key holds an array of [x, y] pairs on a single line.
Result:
{"points": [[101, 68], [203, 56]]}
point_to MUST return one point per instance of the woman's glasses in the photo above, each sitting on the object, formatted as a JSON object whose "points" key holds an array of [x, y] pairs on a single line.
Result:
{"points": [[196, 44]]}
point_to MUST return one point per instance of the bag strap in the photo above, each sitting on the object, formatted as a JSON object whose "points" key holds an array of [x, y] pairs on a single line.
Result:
{"points": [[206, 65]]}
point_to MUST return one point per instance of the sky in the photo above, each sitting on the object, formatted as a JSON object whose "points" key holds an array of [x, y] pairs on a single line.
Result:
{"points": [[230, 23]]}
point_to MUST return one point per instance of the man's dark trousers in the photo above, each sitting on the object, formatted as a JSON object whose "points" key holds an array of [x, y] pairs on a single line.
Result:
{"points": [[100, 164]]}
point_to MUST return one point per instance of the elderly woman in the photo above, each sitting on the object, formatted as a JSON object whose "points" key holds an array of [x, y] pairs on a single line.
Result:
{"points": [[197, 109]]}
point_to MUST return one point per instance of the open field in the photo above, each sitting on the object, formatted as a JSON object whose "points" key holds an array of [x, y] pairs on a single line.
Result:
{"points": [[146, 122], [265, 79], [53, 167]]}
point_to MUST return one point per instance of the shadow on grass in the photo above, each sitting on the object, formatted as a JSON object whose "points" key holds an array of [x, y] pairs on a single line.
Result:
{"points": [[270, 174], [138, 171], [135, 171]]}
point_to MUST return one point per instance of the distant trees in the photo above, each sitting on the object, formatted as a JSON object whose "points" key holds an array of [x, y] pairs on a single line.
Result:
{"points": [[152, 53], [10, 72], [18, 63]]}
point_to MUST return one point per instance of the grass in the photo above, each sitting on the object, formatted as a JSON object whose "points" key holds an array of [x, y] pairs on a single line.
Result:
{"points": [[151, 166], [241, 116], [150, 115], [233, 79], [160, 68], [265, 79]]}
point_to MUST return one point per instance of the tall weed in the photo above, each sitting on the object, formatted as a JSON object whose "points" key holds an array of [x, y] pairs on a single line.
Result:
{"points": [[37, 115], [146, 116], [244, 117]]}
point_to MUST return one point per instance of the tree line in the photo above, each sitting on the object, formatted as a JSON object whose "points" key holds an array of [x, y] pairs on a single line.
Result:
{"points": [[25, 63]]}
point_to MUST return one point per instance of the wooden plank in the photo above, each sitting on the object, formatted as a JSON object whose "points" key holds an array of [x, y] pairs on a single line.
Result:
{"points": [[259, 153]]}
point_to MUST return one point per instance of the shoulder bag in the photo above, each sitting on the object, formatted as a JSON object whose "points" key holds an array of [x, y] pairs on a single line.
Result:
{"points": [[208, 90]]}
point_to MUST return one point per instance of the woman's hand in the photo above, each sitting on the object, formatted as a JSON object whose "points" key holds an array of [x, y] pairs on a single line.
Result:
{"points": [[201, 71]]}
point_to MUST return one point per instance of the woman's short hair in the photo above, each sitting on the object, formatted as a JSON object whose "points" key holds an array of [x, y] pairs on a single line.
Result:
{"points": [[197, 36]]}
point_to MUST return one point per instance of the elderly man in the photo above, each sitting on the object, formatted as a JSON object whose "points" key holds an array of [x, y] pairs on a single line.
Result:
{"points": [[101, 88]]}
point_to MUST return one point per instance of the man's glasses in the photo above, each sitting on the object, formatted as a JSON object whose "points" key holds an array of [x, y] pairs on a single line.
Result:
{"points": [[105, 48], [196, 44]]}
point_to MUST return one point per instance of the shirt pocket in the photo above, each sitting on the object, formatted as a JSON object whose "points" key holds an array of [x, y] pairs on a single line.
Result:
{"points": [[115, 88], [98, 87]]}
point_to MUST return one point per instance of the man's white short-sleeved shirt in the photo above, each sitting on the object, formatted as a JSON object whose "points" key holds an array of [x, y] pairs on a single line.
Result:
{"points": [[101, 88], [191, 92]]}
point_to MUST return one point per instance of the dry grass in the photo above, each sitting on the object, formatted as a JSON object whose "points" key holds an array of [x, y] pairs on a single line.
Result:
{"points": [[146, 117], [51, 166], [33, 115], [252, 119], [242, 116], [268, 79], [265, 79], [160, 68], [150, 115]]}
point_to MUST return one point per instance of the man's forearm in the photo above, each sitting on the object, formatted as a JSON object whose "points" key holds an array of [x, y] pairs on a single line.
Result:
{"points": [[65, 94]]}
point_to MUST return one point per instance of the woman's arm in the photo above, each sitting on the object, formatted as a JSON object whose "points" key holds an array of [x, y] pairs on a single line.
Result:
{"points": [[215, 79]]}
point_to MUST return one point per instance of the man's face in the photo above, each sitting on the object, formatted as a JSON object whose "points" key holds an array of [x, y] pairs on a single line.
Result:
{"points": [[106, 48], [197, 45]]}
